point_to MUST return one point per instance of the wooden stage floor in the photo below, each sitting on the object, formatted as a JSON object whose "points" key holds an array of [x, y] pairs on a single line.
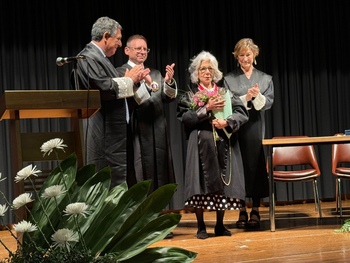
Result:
{"points": [[300, 236]]}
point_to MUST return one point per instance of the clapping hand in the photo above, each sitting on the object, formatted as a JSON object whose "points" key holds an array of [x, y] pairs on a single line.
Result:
{"points": [[253, 92], [137, 73], [169, 69]]}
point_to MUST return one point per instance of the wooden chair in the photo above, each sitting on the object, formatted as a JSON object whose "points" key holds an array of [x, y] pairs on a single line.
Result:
{"points": [[340, 169], [297, 163]]}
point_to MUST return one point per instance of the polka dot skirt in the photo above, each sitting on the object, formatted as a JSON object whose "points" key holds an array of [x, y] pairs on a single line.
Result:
{"points": [[213, 202]]}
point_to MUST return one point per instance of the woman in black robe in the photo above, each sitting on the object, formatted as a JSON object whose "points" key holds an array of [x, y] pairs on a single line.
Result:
{"points": [[214, 171], [255, 89]]}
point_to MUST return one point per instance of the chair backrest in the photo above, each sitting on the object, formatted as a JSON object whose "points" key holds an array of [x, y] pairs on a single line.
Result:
{"points": [[340, 154], [303, 155]]}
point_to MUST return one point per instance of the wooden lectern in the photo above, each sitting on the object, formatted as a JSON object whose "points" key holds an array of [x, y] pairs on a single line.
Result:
{"points": [[16, 105]]}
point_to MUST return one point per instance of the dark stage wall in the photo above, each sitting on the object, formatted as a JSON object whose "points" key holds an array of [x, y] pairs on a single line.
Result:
{"points": [[304, 46]]}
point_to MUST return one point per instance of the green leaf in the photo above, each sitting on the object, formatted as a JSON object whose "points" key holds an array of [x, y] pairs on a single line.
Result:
{"points": [[85, 173], [113, 216], [122, 225], [148, 211], [103, 215], [164, 255], [45, 213], [67, 168], [136, 242], [93, 192]]}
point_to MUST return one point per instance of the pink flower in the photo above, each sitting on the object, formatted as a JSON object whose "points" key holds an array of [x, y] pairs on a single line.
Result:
{"points": [[201, 97]]}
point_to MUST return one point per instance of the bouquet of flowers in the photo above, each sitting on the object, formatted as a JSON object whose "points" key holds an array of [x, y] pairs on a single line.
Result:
{"points": [[201, 97], [77, 218]]}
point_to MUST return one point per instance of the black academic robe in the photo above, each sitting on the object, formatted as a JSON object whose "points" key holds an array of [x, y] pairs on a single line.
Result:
{"points": [[207, 160], [252, 133], [107, 136], [153, 157]]}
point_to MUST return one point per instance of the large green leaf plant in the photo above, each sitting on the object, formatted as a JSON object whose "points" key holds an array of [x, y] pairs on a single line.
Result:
{"points": [[109, 225]]}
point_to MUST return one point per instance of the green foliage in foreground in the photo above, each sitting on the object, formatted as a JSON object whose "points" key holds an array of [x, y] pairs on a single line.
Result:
{"points": [[121, 225], [345, 228]]}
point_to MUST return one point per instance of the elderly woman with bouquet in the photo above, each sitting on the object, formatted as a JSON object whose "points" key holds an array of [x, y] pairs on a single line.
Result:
{"points": [[214, 178]]}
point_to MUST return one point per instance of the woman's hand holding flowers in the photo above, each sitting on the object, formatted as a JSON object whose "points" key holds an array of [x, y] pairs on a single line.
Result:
{"points": [[215, 103]]}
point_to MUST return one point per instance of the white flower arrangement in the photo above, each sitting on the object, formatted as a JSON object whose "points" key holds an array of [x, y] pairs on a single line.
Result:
{"points": [[76, 209], [3, 209], [53, 191], [25, 227], [51, 145], [63, 238], [76, 217], [26, 172], [22, 200]]}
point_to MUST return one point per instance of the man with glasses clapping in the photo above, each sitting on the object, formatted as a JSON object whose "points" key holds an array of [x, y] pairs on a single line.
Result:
{"points": [[152, 152]]}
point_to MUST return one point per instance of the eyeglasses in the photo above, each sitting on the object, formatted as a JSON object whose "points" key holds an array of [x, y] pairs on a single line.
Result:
{"points": [[204, 69], [139, 49]]}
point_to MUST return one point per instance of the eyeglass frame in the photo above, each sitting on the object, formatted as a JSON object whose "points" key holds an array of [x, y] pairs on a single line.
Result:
{"points": [[139, 49], [204, 69]]}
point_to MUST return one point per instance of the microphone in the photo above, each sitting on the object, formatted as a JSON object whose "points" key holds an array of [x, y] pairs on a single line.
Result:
{"points": [[62, 61]]}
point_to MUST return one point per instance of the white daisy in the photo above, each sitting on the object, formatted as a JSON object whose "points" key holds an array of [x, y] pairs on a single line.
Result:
{"points": [[22, 200], [3, 209], [52, 144], [26, 172], [76, 209], [53, 191], [62, 237], [24, 226]]}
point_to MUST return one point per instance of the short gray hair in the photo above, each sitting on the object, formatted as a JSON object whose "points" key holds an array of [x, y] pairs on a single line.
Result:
{"points": [[102, 25], [196, 62]]}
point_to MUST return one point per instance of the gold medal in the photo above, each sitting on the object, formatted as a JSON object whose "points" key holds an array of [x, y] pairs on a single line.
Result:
{"points": [[154, 86]]}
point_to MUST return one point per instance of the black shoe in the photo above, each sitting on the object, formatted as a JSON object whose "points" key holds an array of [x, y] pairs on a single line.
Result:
{"points": [[254, 221], [202, 234], [222, 231], [170, 235], [242, 220]]}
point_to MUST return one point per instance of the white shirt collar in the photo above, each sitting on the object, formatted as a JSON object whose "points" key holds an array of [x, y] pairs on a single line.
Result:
{"points": [[103, 53]]}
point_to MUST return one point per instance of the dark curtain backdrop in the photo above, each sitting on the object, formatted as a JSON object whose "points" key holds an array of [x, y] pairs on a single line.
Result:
{"points": [[304, 46]]}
